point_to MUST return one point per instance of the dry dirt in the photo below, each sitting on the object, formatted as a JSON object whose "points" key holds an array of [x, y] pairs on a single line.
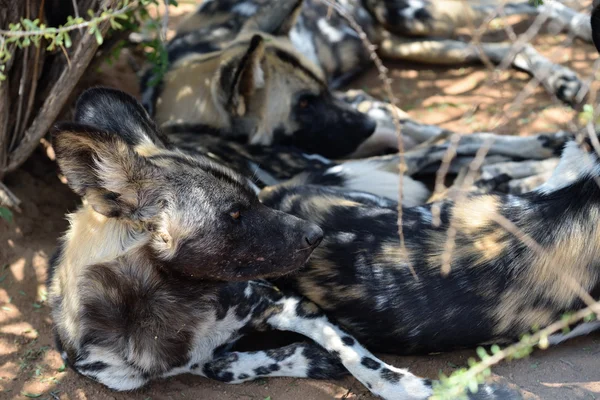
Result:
{"points": [[461, 99]]}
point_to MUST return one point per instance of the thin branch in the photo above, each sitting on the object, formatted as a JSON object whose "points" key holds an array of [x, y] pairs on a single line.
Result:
{"points": [[539, 339], [49, 111], [387, 86]]}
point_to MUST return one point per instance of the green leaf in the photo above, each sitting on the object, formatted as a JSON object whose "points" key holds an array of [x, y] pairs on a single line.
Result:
{"points": [[6, 214], [62, 368], [99, 38], [68, 42]]}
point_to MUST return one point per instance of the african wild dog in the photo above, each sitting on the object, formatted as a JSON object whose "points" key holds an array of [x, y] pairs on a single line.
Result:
{"points": [[414, 30], [156, 275], [259, 90], [499, 286]]}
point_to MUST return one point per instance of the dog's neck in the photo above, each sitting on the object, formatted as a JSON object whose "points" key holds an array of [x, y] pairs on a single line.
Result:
{"points": [[91, 239], [94, 238]]}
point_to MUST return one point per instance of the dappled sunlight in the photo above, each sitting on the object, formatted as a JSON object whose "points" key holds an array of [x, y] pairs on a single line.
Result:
{"points": [[17, 269]]}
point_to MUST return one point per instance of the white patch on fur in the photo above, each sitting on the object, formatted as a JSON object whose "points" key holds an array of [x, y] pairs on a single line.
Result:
{"points": [[259, 76], [316, 157], [364, 176], [426, 216], [580, 330], [574, 164], [245, 9], [118, 375], [302, 40], [330, 337], [293, 366], [333, 34], [209, 335], [410, 11]]}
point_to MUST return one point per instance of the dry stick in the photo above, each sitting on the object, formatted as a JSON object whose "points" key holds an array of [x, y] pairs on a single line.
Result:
{"points": [[33, 89], [462, 195], [451, 152], [75, 11], [385, 79], [165, 22], [59, 94], [7, 198], [21, 90]]}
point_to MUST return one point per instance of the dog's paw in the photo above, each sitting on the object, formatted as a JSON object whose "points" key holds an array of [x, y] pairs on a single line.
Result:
{"points": [[565, 84]]}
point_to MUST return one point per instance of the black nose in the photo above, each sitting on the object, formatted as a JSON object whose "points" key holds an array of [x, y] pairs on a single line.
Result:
{"points": [[313, 235]]}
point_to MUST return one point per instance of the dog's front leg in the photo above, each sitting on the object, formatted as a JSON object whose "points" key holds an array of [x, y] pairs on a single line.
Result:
{"points": [[304, 317], [298, 360]]}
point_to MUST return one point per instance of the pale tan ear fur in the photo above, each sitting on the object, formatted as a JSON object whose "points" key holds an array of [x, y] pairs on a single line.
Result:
{"points": [[250, 75], [114, 179]]}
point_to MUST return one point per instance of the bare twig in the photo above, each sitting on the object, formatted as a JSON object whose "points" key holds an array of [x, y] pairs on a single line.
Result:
{"points": [[387, 86], [53, 104]]}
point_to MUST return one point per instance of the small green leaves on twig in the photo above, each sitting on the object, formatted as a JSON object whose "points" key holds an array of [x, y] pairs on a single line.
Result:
{"points": [[456, 385], [27, 32]]}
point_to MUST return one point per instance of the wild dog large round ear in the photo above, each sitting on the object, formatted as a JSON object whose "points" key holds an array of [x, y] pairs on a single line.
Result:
{"points": [[99, 165], [595, 20], [248, 76], [117, 112]]}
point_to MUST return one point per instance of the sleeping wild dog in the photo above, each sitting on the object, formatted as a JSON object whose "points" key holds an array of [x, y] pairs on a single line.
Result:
{"points": [[161, 268], [413, 30], [259, 92], [516, 262]]}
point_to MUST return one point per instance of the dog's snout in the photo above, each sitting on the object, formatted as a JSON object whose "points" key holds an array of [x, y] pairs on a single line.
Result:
{"points": [[313, 235]]}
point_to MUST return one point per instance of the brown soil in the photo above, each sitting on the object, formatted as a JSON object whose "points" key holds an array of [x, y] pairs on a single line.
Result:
{"points": [[460, 99]]}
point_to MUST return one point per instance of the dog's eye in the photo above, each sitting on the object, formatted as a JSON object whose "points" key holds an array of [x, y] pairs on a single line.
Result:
{"points": [[235, 215], [303, 103]]}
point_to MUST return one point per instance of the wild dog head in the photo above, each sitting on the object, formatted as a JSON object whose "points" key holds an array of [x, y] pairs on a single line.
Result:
{"points": [[263, 91], [188, 214]]}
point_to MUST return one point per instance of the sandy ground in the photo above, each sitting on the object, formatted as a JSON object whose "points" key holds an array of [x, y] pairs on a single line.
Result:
{"points": [[463, 99]]}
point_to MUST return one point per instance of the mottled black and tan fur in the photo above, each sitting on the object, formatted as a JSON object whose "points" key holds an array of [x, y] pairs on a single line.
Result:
{"points": [[159, 272], [415, 30], [500, 286]]}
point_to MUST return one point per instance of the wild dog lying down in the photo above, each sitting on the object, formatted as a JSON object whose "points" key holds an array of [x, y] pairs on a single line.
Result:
{"points": [[258, 90], [317, 133], [155, 276], [396, 299], [420, 30]]}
